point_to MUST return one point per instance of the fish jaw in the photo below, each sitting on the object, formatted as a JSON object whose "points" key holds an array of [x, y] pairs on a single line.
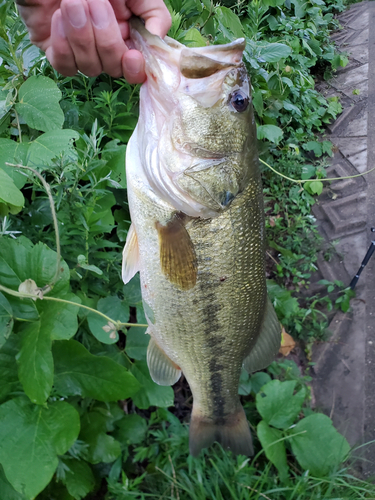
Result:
{"points": [[185, 103]]}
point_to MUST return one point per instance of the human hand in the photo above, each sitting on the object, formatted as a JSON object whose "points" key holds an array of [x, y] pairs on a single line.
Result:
{"points": [[91, 35]]}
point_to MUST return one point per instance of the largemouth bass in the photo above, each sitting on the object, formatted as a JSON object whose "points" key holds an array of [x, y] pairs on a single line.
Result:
{"points": [[197, 233]]}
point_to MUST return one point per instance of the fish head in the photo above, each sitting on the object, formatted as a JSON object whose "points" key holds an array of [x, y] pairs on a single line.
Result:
{"points": [[197, 128]]}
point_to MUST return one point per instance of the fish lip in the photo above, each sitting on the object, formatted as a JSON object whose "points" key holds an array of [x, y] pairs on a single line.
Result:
{"points": [[141, 36]]}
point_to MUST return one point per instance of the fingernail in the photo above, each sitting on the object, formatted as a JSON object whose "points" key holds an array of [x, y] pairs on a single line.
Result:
{"points": [[99, 14], [76, 14], [134, 66]]}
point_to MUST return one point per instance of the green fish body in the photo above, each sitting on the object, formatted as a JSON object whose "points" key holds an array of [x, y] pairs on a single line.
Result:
{"points": [[197, 234]]}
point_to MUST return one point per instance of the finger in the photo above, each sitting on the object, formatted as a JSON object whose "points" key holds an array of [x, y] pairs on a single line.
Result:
{"points": [[37, 15], [59, 53], [133, 66], [110, 45], [80, 35], [155, 14]]}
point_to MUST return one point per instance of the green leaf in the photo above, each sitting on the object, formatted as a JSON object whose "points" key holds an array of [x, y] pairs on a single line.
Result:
{"points": [[102, 448], [16, 153], [193, 38], [314, 146], [10, 196], [275, 451], [131, 429], [50, 145], [277, 404], [31, 437], [39, 105], [258, 380], [137, 342], [273, 52], [79, 478], [150, 394], [314, 187], [270, 132], [6, 319], [244, 387], [60, 319], [320, 448], [7, 490], [308, 171], [114, 154], [77, 372], [8, 367], [114, 308], [228, 20], [35, 362]]}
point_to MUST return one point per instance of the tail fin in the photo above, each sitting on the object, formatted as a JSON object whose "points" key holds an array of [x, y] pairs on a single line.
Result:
{"points": [[232, 432]]}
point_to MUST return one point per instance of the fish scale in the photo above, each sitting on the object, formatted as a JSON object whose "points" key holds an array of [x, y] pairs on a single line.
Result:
{"points": [[202, 270]]}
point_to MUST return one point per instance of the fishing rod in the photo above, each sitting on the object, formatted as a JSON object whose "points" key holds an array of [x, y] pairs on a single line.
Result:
{"points": [[368, 255]]}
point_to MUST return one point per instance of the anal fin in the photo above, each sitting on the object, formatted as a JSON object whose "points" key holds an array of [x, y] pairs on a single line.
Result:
{"points": [[177, 254], [268, 343], [130, 256], [163, 370]]}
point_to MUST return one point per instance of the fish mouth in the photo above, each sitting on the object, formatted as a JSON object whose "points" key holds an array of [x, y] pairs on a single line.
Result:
{"points": [[191, 62]]}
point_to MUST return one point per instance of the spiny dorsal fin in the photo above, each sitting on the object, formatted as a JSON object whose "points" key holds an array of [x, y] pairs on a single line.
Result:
{"points": [[162, 369], [130, 256], [268, 343], [177, 254]]}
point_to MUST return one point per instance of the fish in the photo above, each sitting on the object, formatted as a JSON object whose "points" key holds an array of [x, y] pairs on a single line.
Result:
{"points": [[197, 232]]}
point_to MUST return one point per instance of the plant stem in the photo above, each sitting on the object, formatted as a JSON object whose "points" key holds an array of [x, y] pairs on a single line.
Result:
{"points": [[54, 217], [301, 181], [118, 324], [18, 125]]}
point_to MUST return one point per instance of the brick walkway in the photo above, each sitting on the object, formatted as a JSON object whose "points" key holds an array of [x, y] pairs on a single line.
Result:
{"points": [[344, 382]]}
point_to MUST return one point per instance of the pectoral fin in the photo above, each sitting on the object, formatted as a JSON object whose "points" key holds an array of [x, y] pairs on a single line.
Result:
{"points": [[177, 254], [130, 256], [162, 369], [268, 343]]}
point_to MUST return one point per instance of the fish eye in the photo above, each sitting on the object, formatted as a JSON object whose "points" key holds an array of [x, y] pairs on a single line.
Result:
{"points": [[239, 101]]}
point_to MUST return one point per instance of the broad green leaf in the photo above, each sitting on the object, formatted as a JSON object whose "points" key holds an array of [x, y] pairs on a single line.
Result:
{"points": [[10, 196], [39, 105], [244, 387], [273, 52], [79, 478], [31, 437], [77, 372], [16, 153], [308, 171], [114, 308], [258, 102], [258, 380], [277, 404], [114, 154], [270, 132], [320, 448], [230, 21], [132, 292], [314, 187], [50, 145], [6, 319], [35, 362], [7, 490], [102, 447], [150, 394], [131, 429], [137, 342], [59, 319], [275, 451], [32, 262], [193, 38], [8, 367], [314, 146]]}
